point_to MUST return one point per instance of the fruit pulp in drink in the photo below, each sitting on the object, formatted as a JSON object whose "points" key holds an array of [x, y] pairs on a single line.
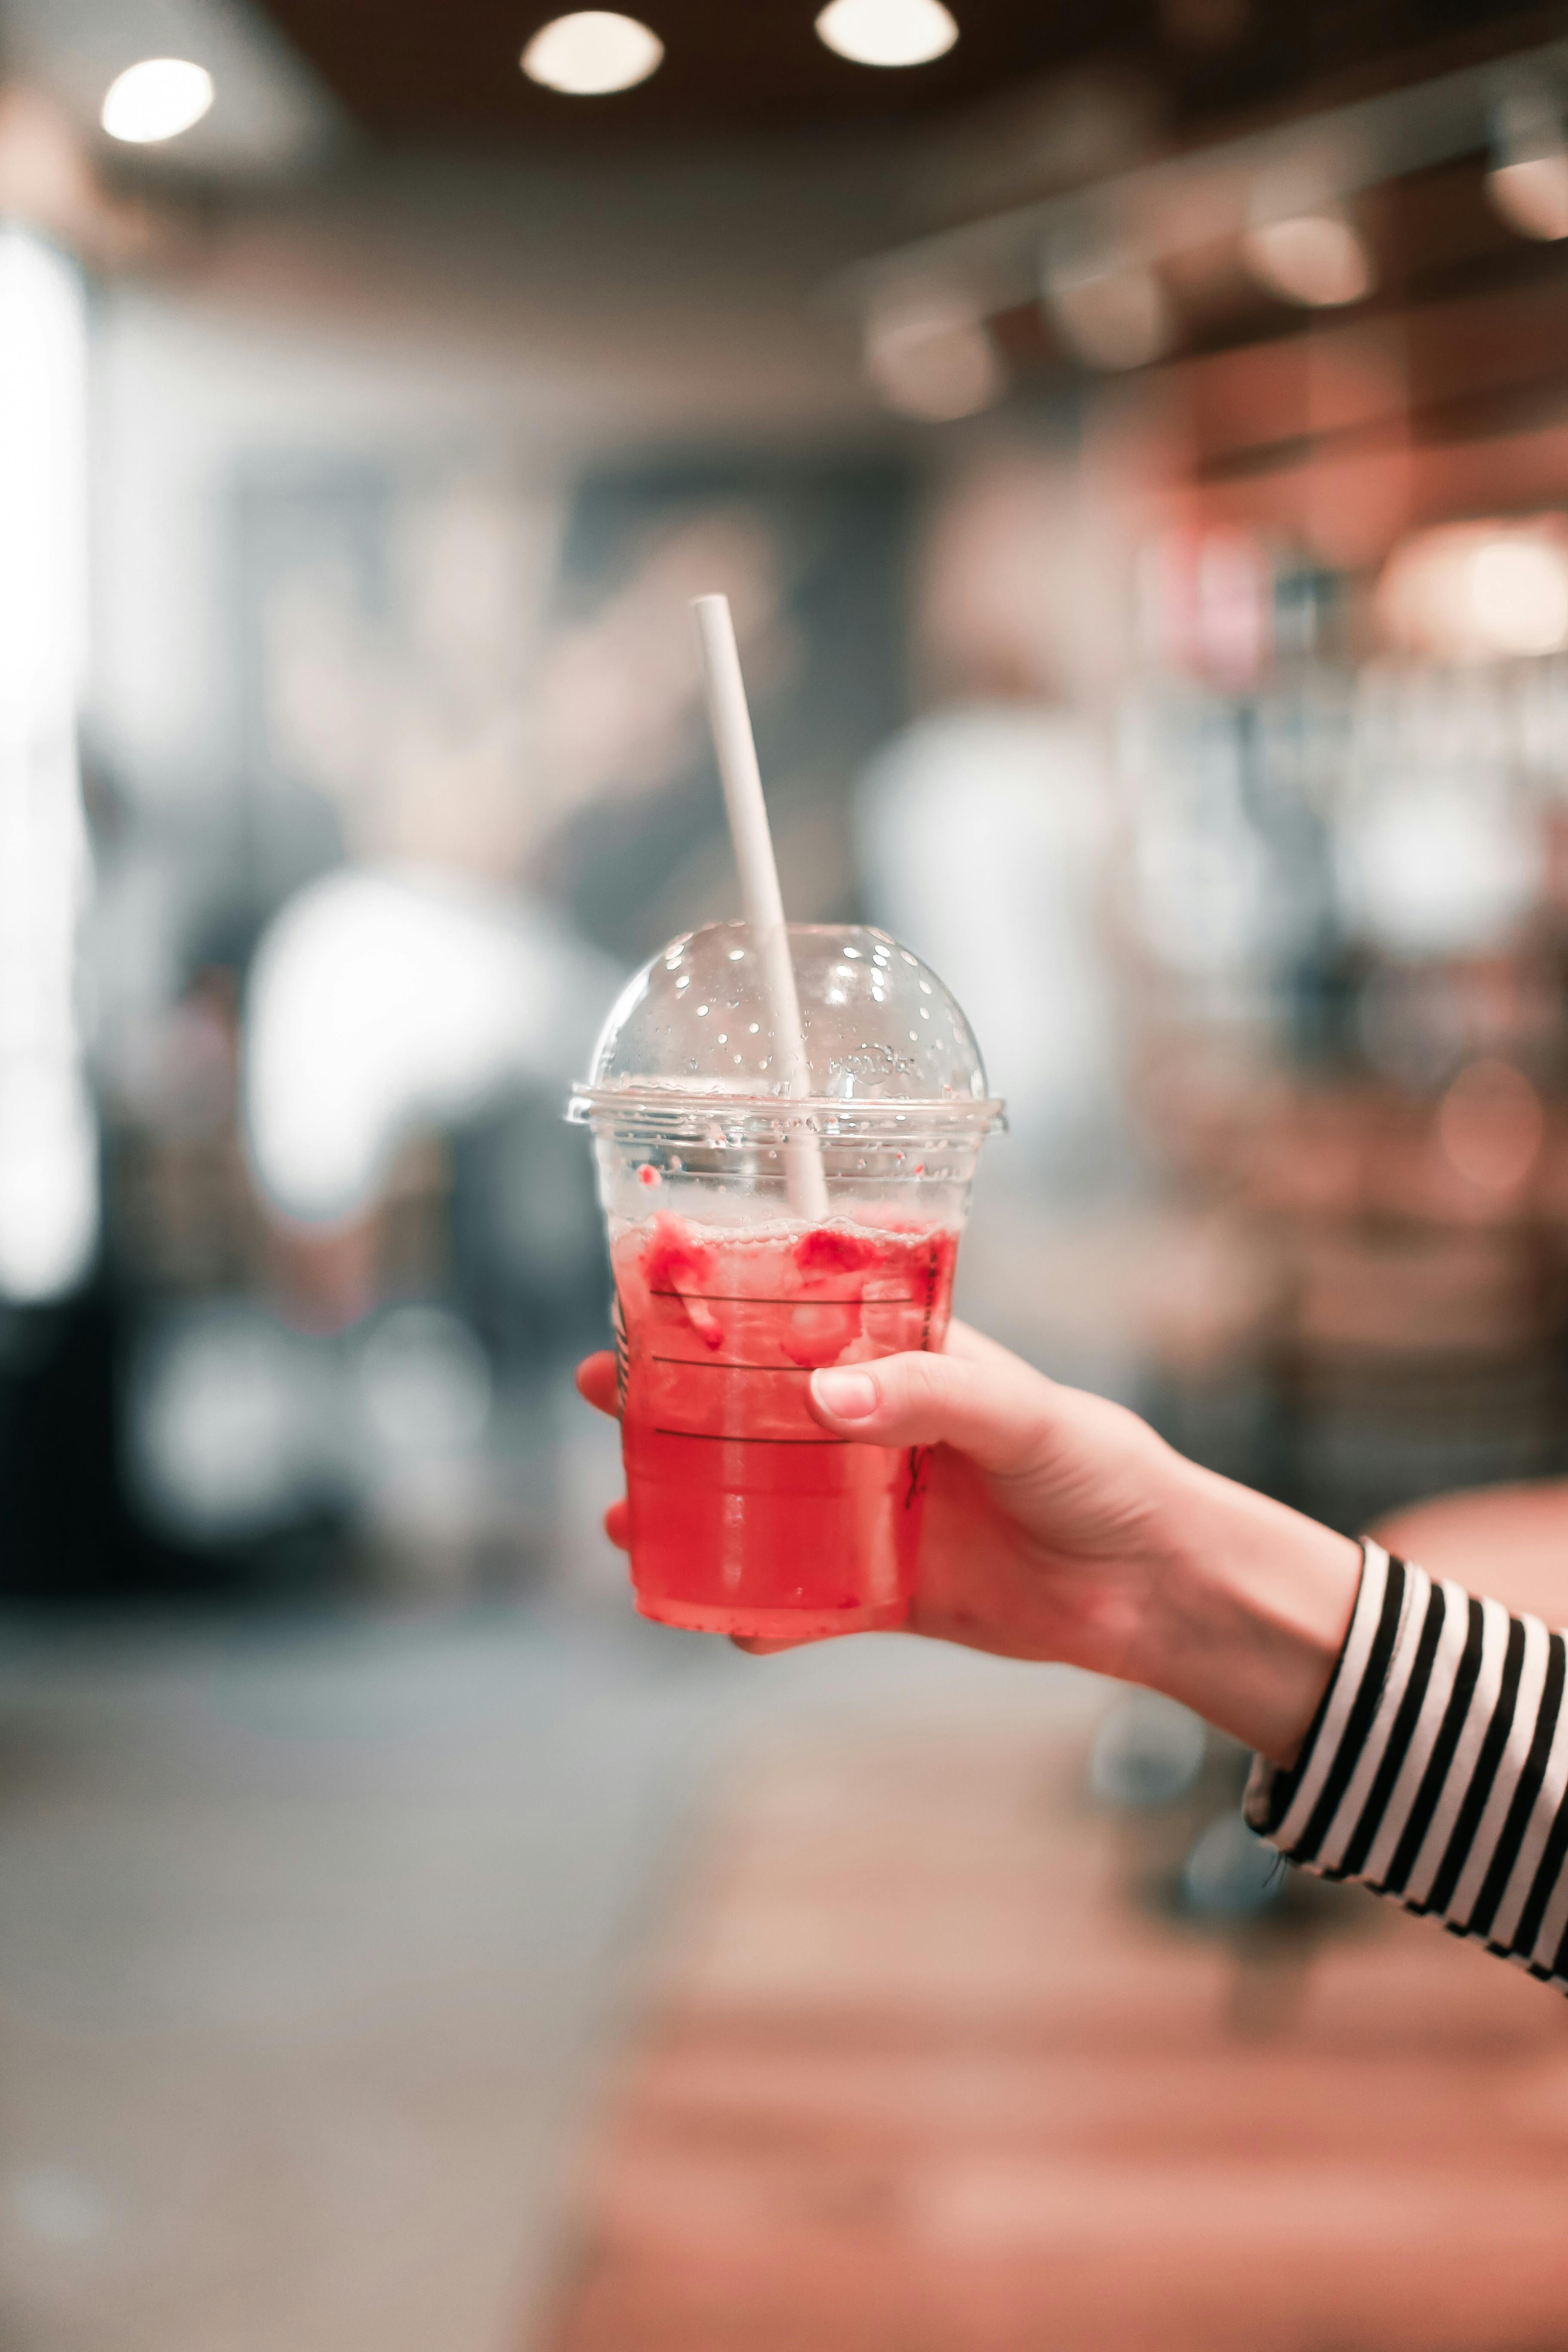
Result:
{"points": [[746, 1516]]}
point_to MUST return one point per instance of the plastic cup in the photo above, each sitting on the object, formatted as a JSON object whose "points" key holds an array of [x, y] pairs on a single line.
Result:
{"points": [[746, 1517]]}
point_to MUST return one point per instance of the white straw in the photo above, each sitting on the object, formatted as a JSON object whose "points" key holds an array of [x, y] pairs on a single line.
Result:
{"points": [[759, 899]]}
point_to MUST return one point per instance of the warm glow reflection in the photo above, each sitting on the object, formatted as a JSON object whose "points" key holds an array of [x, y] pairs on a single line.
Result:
{"points": [[1519, 595], [1471, 592], [1490, 1124]]}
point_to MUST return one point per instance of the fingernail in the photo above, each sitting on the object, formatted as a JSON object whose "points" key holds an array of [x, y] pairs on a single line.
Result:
{"points": [[848, 1396]]}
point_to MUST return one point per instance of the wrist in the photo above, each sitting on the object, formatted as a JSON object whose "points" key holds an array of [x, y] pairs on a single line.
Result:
{"points": [[1249, 1611]]}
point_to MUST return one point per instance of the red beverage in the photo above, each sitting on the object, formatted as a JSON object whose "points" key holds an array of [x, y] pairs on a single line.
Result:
{"points": [[746, 1516]]}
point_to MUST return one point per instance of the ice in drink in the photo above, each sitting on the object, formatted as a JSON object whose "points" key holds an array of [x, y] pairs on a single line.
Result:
{"points": [[746, 1516]]}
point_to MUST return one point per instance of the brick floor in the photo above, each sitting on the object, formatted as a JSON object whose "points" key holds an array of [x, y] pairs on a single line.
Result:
{"points": [[924, 2073]]}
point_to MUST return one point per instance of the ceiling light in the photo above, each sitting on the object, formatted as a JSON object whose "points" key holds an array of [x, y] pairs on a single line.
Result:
{"points": [[591, 53], [1317, 258], [1532, 195], [156, 99], [929, 355], [1528, 183], [887, 32], [1115, 313]]}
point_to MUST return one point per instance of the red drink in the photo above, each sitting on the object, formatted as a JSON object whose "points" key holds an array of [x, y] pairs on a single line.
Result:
{"points": [[746, 1516]]}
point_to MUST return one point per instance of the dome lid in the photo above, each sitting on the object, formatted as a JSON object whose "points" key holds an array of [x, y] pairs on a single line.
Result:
{"points": [[884, 1042]]}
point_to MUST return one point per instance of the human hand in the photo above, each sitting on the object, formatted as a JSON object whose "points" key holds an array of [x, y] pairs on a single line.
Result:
{"points": [[1058, 1526]]}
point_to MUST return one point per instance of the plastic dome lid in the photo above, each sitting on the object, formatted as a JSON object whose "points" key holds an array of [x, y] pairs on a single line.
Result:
{"points": [[691, 1038]]}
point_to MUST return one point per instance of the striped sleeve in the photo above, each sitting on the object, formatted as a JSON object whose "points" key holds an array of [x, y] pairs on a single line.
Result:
{"points": [[1436, 1767]]}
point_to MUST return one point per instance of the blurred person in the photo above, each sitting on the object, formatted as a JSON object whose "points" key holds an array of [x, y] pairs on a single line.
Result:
{"points": [[1410, 1736], [385, 1000], [983, 830], [983, 827], [421, 985]]}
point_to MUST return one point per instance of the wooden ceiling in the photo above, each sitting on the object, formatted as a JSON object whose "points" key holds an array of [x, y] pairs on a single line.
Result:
{"points": [[410, 72]]}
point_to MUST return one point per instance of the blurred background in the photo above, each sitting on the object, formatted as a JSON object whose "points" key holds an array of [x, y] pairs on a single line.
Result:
{"points": [[1135, 444]]}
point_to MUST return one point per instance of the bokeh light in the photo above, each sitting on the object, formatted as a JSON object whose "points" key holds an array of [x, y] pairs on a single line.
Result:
{"points": [[592, 53], [156, 99]]}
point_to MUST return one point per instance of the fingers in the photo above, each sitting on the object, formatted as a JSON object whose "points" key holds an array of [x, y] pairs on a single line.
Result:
{"points": [[755, 1647], [991, 1406], [596, 1381], [962, 1339]]}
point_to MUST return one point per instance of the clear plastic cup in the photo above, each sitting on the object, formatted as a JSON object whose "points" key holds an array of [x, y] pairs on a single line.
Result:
{"points": [[746, 1517]]}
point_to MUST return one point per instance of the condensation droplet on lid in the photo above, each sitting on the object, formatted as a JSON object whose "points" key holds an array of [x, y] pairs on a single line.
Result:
{"points": [[755, 1026], [852, 952], [925, 988], [914, 1036], [723, 1038], [700, 1010], [907, 956], [925, 1012], [685, 980], [737, 955]]}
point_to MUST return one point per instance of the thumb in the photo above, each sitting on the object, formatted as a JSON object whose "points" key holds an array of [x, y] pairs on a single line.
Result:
{"points": [[998, 1413]]}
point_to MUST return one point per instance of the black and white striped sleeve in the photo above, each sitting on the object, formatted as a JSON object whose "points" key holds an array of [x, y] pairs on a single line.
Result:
{"points": [[1436, 1767]]}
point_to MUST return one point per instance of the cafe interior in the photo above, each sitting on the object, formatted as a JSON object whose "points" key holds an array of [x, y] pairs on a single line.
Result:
{"points": [[1133, 442]]}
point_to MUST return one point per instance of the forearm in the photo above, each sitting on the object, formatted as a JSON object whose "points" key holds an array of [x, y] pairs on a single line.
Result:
{"points": [[1249, 1611]]}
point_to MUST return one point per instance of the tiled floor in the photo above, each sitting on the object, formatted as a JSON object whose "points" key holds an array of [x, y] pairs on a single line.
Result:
{"points": [[924, 2076], [313, 1942], [308, 1941]]}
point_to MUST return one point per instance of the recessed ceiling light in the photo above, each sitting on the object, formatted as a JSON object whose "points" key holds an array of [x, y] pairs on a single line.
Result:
{"points": [[1113, 309], [1532, 195], [591, 53], [1528, 181], [1316, 259], [887, 32], [929, 355], [156, 99]]}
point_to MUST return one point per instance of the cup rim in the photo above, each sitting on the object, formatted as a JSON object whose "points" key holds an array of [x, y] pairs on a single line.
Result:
{"points": [[713, 1113]]}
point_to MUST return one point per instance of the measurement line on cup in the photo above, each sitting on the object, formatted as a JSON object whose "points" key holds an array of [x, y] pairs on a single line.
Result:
{"points": [[725, 1437], [723, 1364], [750, 1298]]}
